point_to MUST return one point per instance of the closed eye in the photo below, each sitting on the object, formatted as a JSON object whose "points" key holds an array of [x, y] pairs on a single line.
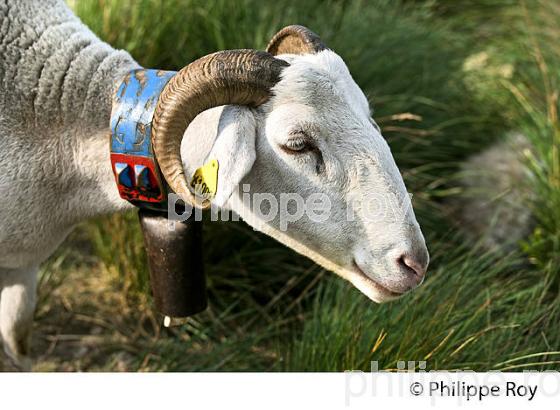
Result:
{"points": [[298, 143]]}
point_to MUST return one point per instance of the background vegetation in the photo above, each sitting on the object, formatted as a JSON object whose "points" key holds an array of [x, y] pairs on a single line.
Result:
{"points": [[446, 80]]}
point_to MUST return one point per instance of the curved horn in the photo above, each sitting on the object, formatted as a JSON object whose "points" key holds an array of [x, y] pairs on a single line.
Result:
{"points": [[242, 77], [295, 40]]}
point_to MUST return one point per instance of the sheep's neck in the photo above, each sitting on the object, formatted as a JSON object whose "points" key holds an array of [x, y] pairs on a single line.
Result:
{"points": [[53, 70], [56, 84]]}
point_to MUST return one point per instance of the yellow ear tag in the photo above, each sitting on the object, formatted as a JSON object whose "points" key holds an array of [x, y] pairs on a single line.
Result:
{"points": [[205, 180]]}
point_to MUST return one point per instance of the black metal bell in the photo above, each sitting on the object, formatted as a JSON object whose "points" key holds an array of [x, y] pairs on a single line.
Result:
{"points": [[175, 261]]}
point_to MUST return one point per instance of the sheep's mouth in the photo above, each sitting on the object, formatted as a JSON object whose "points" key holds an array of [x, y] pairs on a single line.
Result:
{"points": [[384, 292]]}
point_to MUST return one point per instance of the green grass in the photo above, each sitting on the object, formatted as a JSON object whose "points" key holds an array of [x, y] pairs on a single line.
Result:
{"points": [[476, 312], [271, 309]]}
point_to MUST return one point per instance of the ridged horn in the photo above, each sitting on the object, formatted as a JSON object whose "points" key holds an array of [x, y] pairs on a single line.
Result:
{"points": [[242, 77], [295, 39]]}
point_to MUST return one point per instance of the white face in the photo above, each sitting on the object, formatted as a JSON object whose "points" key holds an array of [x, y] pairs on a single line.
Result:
{"points": [[317, 140], [312, 145]]}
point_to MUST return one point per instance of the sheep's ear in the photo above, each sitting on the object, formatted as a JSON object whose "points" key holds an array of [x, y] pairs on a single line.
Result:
{"points": [[234, 148]]}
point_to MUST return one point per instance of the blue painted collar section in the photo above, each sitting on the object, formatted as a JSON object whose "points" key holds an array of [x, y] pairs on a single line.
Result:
{"points": [[135, 167], [133, 109]]}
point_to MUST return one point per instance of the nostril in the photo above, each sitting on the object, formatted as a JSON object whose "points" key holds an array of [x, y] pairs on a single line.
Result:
{"points": [[412, 266]]}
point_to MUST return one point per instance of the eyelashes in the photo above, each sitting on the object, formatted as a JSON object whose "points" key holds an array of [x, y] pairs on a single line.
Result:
{"points": [[300, 143]]}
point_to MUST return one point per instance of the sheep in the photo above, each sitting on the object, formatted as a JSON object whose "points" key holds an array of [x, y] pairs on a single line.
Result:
{"points": [[298, 124], [494, 208]]}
